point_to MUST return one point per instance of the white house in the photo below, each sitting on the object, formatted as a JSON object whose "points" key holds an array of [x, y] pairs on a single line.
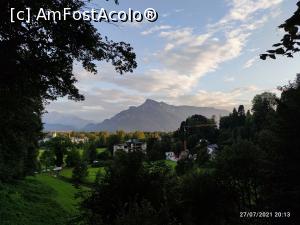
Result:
{"points": [[171, 156], [131, 145], [78, 140], [212, 148]]}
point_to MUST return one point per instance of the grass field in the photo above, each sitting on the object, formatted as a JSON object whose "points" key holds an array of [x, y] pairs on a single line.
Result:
{"points": [[67, 173], [64, 192], [170, 163], [40, 200], [99, 150]]}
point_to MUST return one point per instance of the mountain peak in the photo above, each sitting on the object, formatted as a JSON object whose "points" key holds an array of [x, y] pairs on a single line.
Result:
{"points": [[153, 116], [150, 101]]}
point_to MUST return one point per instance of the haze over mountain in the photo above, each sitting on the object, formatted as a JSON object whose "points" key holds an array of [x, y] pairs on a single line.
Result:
{"points": [[55, 121], [153, 116]]}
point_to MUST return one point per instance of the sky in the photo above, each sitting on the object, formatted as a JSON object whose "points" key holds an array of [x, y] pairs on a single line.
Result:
{"points": [[199, 53]]}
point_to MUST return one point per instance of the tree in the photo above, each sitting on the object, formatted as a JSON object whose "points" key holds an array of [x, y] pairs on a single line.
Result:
{"points": [[241, 168], [36, 62], [195, 128], [184, 166], [130, 182], [73, 157], [241, 115], [90, 152], [154, 150], [263, 108], [20, 124], [102, 139], [138, 135], [47, 159], [204, 200], [80, 172], [202, 154], [113, 139], [59, 145], [138, 214], [290, 42], [286, 164]]}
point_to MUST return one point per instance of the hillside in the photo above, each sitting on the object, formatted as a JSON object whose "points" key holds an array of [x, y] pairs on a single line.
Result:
{"points": [[37, 200]]}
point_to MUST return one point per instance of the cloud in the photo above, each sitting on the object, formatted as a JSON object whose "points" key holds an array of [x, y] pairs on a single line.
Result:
{"points": [[187, 55], [242, 10], [156, 29], [219, 99], [250, 62], [197, 55], [253, 49], [229, 79], [166, 82], [178, 10], [165, 15], [175, 70]]}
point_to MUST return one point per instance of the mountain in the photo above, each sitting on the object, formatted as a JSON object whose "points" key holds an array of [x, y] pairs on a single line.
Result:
{"points": [[153, 116], [54, 121], [58, 127]]}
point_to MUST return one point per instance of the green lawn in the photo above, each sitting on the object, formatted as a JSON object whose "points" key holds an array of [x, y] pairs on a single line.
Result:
{"points": [[99, 150], [170, 163], [67, 173], [40, 200], [93, 173]]}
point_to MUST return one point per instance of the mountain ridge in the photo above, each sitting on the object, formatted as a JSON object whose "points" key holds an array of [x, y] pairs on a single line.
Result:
{"points": [[153, 116]]}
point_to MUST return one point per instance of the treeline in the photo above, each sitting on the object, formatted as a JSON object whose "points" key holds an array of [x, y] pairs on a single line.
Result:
{"points": [[255, 169]]}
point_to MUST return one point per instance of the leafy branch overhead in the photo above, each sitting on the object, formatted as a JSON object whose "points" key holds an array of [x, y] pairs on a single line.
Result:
{"points": [[290, 42], [55, 46]]}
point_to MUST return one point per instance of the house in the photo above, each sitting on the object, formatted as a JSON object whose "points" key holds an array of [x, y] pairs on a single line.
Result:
{"points": [[211, 149], [77, 140], [131, 145], [171, 156]]}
